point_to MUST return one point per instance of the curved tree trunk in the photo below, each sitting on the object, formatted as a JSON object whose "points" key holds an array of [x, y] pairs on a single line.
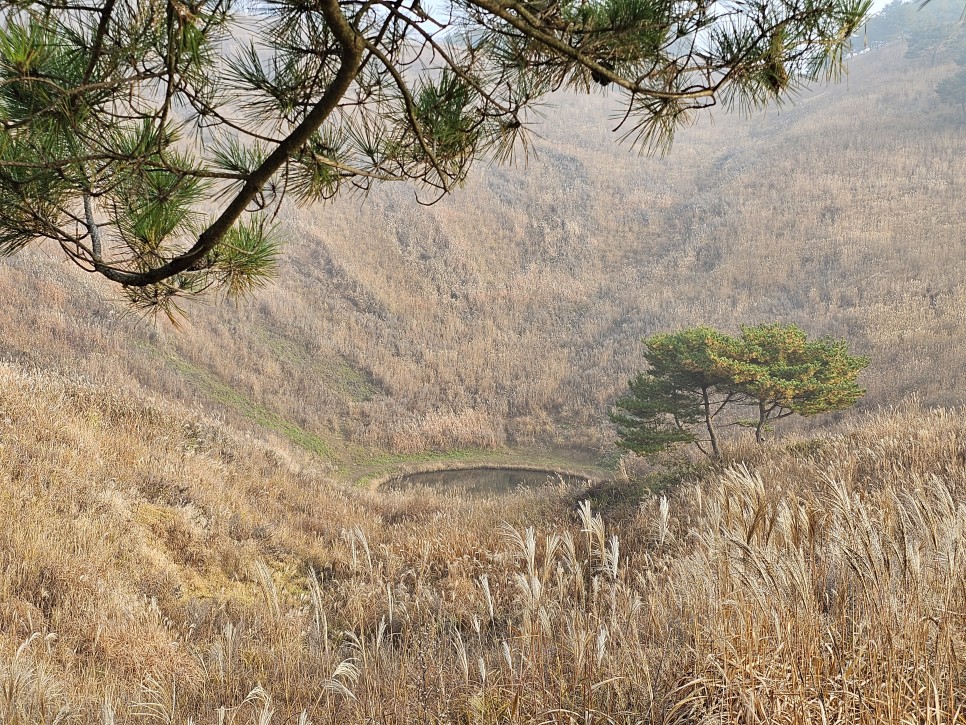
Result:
{"points": [[708, 416], [762, 419]]}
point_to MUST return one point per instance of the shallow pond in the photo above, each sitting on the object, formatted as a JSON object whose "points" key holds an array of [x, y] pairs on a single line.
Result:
{"points": [[479, 481]]}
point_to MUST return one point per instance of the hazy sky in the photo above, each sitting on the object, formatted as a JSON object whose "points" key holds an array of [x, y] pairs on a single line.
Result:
{"points": [[877, 5]]}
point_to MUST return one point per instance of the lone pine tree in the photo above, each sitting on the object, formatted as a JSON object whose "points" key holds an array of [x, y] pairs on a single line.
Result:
{"points": [[697, 376]]}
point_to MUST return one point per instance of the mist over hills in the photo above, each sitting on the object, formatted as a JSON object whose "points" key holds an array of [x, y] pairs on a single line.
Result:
{"points": [[510, 312]]}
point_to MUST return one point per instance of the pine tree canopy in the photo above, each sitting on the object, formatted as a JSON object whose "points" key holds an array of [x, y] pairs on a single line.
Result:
{"points": [[154, 140], [696, 376]]}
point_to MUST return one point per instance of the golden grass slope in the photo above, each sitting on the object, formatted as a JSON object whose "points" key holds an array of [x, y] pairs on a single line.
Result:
{"points": [[157, 567], [510, 313]]}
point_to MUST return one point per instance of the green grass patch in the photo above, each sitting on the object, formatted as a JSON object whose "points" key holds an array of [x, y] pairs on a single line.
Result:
{"points": [[333, 371], [233, 398]]}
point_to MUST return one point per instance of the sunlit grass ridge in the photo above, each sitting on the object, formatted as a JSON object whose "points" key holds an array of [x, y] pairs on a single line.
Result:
{"points": [[157, 567]]}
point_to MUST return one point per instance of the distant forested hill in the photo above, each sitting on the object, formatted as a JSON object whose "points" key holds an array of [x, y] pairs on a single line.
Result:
{"points": [[510, 312], [930, 28]]}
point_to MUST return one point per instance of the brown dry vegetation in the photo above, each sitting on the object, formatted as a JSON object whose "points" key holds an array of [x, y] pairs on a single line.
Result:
{"points": [[157, 567], [510, 313]]}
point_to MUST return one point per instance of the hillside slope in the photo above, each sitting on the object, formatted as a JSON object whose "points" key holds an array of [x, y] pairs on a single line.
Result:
{"points": [[510, 313], [156, 566]]}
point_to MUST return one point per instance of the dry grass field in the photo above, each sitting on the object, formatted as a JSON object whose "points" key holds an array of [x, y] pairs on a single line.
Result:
{"points": [[157, 567], [509, 315], [181, 542]]}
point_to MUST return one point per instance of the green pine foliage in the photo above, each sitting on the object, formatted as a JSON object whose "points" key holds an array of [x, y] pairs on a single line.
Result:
{"points": [[154, 140], [655, 415], [782, 373]]}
